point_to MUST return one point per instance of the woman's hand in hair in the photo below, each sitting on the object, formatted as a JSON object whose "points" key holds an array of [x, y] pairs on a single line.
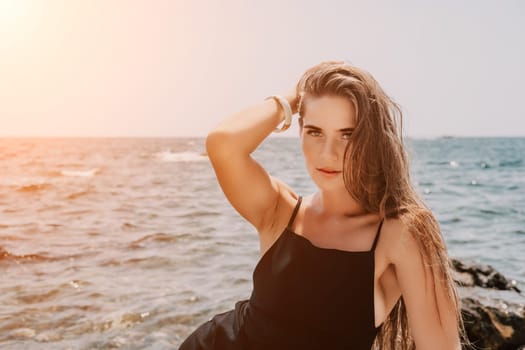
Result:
{"points": [[293, 98]]}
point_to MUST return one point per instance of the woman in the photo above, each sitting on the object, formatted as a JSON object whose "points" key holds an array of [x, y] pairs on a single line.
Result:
{"points": [[359, 264]]}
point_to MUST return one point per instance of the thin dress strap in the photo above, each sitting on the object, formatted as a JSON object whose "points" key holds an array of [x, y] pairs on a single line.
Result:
{"points": [[377, 236], [296, 209]]}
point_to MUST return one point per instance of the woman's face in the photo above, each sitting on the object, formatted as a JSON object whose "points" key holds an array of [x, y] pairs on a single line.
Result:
{"points": [[328, 123]]}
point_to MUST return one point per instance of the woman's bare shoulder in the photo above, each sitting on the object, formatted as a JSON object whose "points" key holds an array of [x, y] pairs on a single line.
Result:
{"points": [[393, 233], [400, 233]]}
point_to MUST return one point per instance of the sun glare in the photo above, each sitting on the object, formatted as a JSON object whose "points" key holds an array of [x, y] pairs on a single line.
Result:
{"points": [[18, 23], [12, 13]]}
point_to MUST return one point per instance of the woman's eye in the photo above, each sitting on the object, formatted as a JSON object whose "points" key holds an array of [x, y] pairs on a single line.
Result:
{"points": [[347, 136], [313, 133]]}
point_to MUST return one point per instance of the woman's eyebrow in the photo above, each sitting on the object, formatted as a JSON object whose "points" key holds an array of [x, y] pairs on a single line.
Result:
{"points": [[308, 126]]}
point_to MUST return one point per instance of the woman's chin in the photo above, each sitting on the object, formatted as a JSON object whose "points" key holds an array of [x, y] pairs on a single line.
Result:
{"points": [[326, 185]]}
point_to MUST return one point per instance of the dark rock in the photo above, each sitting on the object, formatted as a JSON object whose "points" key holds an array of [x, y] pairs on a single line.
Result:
{"points": [[468, 275], [493, 307], [491, 328]]}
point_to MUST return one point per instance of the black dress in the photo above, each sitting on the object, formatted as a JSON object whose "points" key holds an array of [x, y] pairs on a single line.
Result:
{"points": [[304, 297]]}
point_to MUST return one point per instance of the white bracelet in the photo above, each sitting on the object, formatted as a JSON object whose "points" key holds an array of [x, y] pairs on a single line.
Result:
{"points": [[286, 109]]}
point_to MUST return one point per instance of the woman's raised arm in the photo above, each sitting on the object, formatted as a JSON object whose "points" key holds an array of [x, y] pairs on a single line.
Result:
{"points": [[245, 183]]}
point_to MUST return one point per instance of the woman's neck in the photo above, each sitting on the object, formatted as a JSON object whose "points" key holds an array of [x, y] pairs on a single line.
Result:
{"points": [[337, 205]]}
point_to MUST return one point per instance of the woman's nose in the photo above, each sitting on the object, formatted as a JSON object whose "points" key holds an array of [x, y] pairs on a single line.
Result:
{"points": [[330, 150]]}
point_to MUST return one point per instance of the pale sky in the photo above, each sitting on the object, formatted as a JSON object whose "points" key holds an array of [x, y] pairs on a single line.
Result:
{"points": [[176, 68]]}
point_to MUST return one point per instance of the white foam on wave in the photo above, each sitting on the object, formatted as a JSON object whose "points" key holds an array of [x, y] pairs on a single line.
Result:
{"points": [[80, 173], [168, 156]]}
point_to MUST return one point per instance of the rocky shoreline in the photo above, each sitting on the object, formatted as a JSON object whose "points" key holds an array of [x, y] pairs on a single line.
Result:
{"points": [[493, 307]]}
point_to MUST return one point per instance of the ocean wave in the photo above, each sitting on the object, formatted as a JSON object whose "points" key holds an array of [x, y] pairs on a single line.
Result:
{"points": [[450, 163], [168, 156], [127, 226], [37, 297], [511, 163], [197, 213], [143, 262], [433, 162], [499, 211], [34, 257], [34, 187], [7, 256], [451, 220], [76, 195], [8, 155], [11, 237], [157, 237], [80, 173], [484, 165]]}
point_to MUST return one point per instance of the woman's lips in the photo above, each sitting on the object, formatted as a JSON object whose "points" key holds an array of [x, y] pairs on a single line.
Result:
{"points": [[328, 172]]}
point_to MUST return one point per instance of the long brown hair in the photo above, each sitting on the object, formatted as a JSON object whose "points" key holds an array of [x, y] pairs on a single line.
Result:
{"points": [[379, 180]]}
